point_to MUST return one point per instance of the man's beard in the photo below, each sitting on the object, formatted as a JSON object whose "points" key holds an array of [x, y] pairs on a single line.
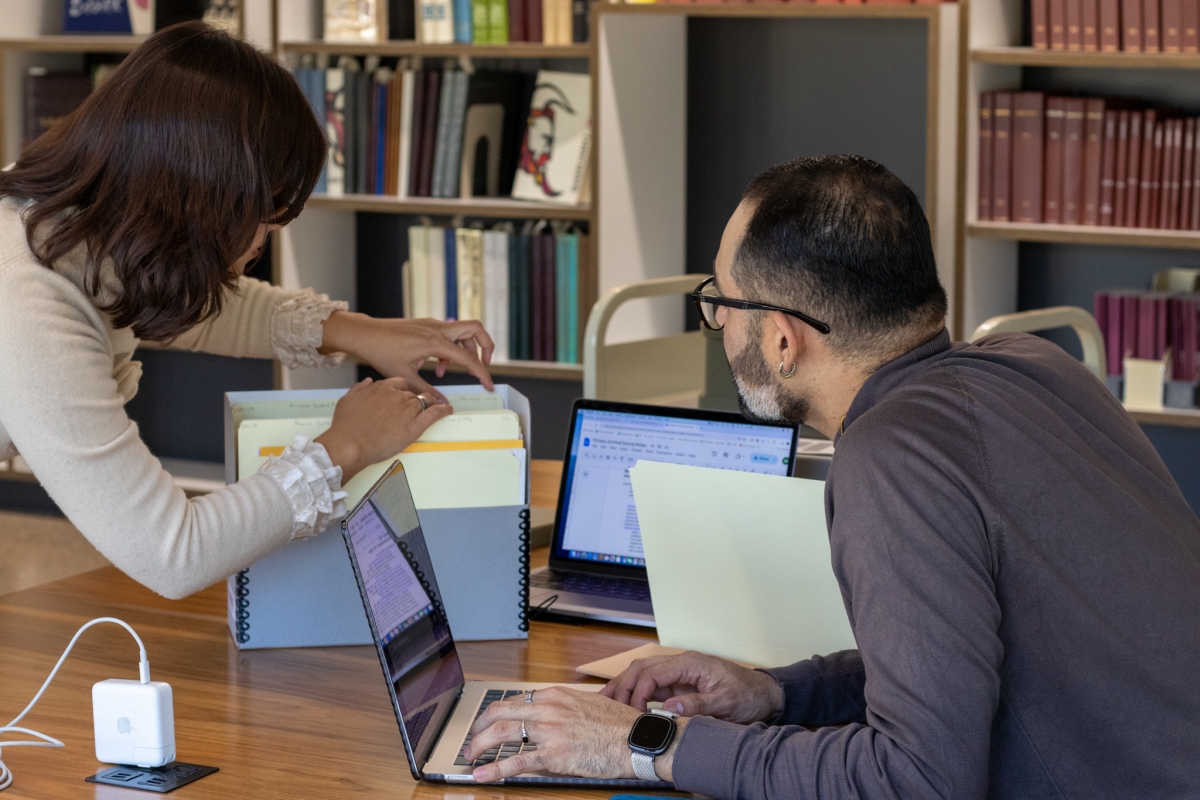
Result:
{"points": [[760, 397]]}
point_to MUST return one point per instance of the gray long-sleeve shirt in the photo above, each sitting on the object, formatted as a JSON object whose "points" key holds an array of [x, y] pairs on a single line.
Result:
{"points": [[1022, 576]]}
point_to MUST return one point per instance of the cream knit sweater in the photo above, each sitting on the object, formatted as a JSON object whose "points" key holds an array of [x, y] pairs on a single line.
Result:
{"points": [[65, 376]]}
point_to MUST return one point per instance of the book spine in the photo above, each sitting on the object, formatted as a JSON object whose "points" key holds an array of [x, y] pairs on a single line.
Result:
{"points": [[481, 27], [1146, 171], [1091, 25], [1058, 24], [1110, 25], [1129, 326], [514, 294], [372, 137], [1185, 173], [1108, 170], [549, 297], [454, 135], [418, 260], [365, 131], [1072, 157], [537, 295], [1188, 373], [335, 130], [1131, 26], [1172, 26], [1027, 155], [581, 16], [533, 20], [1133, 183], [560, 297], [1119, 188], [985, 157], [1093, 151], [1176, 161], [516, 20], [450, 276], [429, 136], [1160, 325], [1074, 24], [1151, 30], [549, 23], [1039, 13], [1056, 117], [1112, 334], [1195, 204], [408, 98], [498, 21], [1002, 156], [1190, 20], [1146, 327], [437, 272], [416, 132], [566, 21], [572, 298]]}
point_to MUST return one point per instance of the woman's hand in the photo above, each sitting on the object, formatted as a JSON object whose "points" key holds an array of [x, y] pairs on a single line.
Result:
{"points": [[374, 421], [398, 348]]}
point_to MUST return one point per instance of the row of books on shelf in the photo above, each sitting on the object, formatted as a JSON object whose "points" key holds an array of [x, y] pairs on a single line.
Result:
{"points": [[1134, 26], [445, 132], [1087, 161], [530, 286], [790, 2], [1152, 328], [552, 22]]}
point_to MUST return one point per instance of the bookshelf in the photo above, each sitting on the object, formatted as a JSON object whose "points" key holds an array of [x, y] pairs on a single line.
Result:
{"points": [[1085, 234], [491, 208], [405, 48], [1030, 57]]}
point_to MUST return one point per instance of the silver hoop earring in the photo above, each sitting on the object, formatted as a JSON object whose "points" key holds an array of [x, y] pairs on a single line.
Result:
{"points": [[789, 373]]}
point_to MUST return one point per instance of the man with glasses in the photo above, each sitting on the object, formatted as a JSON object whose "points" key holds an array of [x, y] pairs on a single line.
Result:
{"points": [[1020, 570]]}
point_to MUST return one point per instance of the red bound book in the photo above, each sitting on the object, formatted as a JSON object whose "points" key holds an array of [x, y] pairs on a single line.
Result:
{"points": [[1056, 117], [1131, 26], [1152, 181], [1151, 32], [1185, 173], [1039, 12], [1122, 149], [1173, 312], [1160, 324], [1195, 206], [1172, 177], [1133, 191], [1172, 26], [1146, 325], [516, 20], [1093, 153], [1108, 169], [1129, 327], [1002, 156], [985, 157], [1146, 170], [1074, 24], [1091, 25], [1187, 362], [1072, 160], [1058, 24], [1190, 16], [1112, 335], [1028, 140], [1110, 25], [533, 21]]}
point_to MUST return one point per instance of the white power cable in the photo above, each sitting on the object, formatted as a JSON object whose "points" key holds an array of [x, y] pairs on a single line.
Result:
{"points": [[6, 776]]}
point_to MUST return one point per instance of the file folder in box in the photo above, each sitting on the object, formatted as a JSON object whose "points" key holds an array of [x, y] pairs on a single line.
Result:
{"points": [[304, 594]]}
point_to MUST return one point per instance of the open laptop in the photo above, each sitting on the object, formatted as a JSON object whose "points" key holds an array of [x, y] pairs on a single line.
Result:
{"points": [[597, 569], [434, 705]]}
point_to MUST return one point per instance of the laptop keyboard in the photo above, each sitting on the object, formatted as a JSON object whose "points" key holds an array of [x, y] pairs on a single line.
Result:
{"points": [[583, 583], [416, 724], [506, 750]]}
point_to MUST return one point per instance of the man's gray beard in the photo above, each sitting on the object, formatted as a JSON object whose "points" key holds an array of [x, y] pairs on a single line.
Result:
{"points": [[760, 397]]}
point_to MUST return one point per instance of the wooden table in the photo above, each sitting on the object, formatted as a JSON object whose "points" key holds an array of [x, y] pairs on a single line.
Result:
{"points": [[290, 724]]}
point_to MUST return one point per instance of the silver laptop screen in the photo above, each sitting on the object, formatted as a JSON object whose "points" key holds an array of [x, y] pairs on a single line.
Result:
{"points": [[406, 613]]}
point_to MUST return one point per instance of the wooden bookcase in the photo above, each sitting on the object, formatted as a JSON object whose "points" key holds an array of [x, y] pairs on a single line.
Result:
{"points": [[994, 58]]}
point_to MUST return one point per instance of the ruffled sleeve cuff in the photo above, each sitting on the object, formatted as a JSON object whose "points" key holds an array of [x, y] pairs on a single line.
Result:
{"points": [[312, 484], [296, 330]]}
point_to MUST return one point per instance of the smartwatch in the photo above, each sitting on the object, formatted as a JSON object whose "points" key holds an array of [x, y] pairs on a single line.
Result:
{"points": [[650, 737]]}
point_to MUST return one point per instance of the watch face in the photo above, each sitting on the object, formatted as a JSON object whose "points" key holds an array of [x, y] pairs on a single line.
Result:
{"points": [[651, 733]]}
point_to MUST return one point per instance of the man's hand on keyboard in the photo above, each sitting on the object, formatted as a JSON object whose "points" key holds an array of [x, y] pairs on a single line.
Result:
{"points": [[576, 733]]}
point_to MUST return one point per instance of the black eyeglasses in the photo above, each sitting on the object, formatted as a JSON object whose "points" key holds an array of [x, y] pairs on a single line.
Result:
{"points": [[706, 305]]}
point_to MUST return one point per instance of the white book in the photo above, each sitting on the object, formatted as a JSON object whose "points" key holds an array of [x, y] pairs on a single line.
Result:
{"points": [[406, 118], [495, 290], [554, 160], [355, 20], [418, 262], [437, 22], [335, 131], [470, 273], [437, 272]]}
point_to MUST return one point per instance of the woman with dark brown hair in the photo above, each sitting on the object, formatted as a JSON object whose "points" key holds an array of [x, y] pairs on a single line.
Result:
{"points": [[134, 220]]}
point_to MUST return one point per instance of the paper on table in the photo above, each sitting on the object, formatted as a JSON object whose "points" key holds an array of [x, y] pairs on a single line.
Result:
{"points": [[611, 667], [739, 563], [471, 403]]}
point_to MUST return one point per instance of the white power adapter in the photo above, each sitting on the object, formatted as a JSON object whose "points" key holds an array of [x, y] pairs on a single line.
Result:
{"points": [[134, 722]]}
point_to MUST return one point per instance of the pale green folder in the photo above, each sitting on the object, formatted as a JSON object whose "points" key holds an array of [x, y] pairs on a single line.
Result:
{"points": [[739, 563]]}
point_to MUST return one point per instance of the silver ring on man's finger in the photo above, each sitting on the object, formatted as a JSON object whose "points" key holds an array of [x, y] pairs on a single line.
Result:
{"points": [[524, 733], [424, 402], [529, 696]]}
